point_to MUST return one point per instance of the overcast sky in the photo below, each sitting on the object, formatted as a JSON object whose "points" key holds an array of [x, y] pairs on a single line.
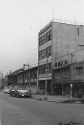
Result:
{"points": [[20, 22]]}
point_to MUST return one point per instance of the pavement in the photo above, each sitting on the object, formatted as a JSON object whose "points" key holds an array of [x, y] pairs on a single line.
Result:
{"points": [[57, 99]]}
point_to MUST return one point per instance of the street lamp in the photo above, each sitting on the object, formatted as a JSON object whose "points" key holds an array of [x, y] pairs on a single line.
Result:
{"points": [[71, 85]]}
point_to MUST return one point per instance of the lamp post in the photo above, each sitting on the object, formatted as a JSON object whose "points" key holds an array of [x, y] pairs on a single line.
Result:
{"points": [[46, 76], [71, 89]]}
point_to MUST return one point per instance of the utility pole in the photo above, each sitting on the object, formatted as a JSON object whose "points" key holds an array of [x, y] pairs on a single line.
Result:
{"points": [[23, 73], [7, 79], [29, 73], [28, 77], [46, 76]]}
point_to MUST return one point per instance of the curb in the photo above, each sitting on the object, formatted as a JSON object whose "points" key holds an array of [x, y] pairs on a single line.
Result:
{"points": [[65, 102]]}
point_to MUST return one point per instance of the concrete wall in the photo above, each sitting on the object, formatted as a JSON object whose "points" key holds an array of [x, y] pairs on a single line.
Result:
{"points": [[66, 40], [47, 44]]}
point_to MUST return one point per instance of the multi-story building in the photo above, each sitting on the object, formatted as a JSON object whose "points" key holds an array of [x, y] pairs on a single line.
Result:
{"points": [[60, 45]]}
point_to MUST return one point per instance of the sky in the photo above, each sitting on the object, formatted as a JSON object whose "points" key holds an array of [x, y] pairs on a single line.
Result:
{"points": [[20, 23]]}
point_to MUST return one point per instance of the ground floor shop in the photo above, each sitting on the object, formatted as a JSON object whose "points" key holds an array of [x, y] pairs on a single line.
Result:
{"points": [[61, 89], [78, 89], [42, 85]]}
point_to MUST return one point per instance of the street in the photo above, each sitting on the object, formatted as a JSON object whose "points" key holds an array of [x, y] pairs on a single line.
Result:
{"points": [[26, 111]]}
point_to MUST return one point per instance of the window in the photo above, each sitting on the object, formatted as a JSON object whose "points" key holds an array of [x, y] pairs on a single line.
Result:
{"points": [[44, 53], [78, 70], [48, 51], [48, 36], [66, 72], [55, 64], [42, 68], [41, 40], [58, 74], [59, 64], [50, 67]]}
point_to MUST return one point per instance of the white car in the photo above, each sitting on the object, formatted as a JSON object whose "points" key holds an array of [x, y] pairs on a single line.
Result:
{"points": [[6, 91]]}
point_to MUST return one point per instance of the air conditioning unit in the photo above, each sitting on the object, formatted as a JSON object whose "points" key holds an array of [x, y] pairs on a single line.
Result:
{"points": [[59, 64], [66, 62], [55, 64]]}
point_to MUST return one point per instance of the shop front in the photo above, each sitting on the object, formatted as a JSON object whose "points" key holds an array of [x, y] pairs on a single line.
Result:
{"points": [[78, 89], [42, 85], [57, 89]]}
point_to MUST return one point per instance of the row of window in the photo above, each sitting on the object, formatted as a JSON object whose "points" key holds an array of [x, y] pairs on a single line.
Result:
{"points": [[62, 73], [43, 68], [45, 53], [31, 75], [78, 70], [45, 38], [61, 63]]}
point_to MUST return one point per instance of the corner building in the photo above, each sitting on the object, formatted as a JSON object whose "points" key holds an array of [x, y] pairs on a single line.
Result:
{"points": [[60, 45]]}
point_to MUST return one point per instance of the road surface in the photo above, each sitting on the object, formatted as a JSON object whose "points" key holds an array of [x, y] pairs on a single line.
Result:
{"points": [[25, 111]]}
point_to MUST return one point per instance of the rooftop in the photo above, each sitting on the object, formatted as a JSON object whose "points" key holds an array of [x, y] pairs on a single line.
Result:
{"points": [[63, 21]]}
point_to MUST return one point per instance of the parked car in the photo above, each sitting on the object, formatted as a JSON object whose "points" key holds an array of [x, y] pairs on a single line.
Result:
{"points": [[6, 90], [22, 92], [12, 90]]}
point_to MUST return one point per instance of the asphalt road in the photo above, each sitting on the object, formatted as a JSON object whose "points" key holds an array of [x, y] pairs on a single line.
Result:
{"points": [[25, 111]]}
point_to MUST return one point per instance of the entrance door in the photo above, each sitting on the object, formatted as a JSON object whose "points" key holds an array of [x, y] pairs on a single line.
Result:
{"points": [[58, 89]]}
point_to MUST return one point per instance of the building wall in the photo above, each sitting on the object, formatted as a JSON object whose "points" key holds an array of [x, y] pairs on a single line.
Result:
{"points": [[66, 40], [42, 47], [29, 76], [78, 76]]}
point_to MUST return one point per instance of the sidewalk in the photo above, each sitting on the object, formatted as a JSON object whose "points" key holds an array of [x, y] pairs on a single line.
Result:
{"points": [[57, 98]]}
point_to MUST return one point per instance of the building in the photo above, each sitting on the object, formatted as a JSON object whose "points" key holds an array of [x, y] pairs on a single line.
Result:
{"points": [[28, 77], [11, 78], [77, 78], [60, 44]]}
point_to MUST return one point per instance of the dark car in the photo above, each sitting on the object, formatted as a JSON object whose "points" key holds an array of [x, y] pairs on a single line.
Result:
{"points": [[22, 92], [12, 92]]}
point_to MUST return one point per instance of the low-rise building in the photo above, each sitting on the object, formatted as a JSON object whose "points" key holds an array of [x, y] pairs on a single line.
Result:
{"points": [[29, 78]]}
